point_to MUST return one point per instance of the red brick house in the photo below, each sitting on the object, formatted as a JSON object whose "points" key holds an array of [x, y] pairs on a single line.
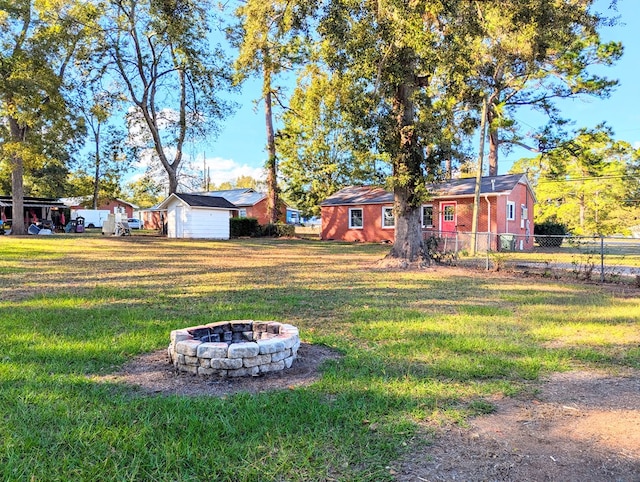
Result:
{"points": [[506, 212], [111, 205]]}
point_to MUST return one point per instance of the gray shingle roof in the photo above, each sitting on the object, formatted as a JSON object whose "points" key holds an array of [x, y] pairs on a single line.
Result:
{"points": [[196, 200], [489, 185], [359, 195], [458, 187]]}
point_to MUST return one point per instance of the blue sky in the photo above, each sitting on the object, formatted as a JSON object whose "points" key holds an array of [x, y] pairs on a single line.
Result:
{"points": [[239, 149]]}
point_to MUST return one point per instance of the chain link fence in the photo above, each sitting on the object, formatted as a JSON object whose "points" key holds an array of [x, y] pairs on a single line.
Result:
{"points": [[593, 258]]}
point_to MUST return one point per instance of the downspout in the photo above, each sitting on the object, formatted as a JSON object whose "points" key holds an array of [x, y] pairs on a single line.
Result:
{"points": [[486, 197], [506, 223]]}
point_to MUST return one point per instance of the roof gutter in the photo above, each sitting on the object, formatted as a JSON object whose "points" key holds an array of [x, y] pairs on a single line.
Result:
{"points": [[459, 196]]}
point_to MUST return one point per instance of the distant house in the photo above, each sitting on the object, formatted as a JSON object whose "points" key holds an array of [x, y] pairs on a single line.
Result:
{"points": [[153, 217], [253, 204], [112, 205], [196, 216], [506, 212]]}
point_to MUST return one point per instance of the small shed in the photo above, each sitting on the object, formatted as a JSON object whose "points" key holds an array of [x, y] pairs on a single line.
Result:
{"points": [[195, 216]]}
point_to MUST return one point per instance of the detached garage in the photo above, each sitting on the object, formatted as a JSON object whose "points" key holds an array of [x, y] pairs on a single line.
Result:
{"points": [[194, 216]]}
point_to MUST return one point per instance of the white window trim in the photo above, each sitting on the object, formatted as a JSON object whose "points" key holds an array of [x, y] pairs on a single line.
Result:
{"points": [[362, 217], [422, 216], [511, 211], [384, 209], [443, 206], [242, 213], [524, 215]]}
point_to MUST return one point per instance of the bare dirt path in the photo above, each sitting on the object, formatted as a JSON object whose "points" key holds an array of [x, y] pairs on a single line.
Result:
{"points": [[578, 426]]}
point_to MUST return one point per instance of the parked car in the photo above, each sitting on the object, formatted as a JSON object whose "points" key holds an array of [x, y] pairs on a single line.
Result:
{"points": [[135, 223]]}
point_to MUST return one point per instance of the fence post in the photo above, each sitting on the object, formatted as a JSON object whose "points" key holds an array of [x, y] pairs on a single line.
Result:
{"points": [[489, 240], [601, 258]]}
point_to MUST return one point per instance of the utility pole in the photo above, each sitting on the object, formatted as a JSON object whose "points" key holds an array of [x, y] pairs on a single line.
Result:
{"points": [[204, 173]]}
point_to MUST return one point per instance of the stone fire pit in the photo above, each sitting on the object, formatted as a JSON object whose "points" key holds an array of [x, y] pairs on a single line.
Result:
{"points": [[234, 348]]}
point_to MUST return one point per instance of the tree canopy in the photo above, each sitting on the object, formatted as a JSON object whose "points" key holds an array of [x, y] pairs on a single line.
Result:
{"points": [[320, 150], [270, 40], [530, 54], [38, 130], [388, 92], [590, 183], [173, 75]]}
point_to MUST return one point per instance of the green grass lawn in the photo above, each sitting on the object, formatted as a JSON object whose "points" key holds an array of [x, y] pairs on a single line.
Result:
{"points": [[420, 349]]}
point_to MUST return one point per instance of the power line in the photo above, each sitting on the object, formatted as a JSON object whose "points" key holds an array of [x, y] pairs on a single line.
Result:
{"points": [[588, 178]]}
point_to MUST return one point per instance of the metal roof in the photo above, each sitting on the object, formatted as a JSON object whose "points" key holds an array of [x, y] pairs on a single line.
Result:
{"points": [[33, 202], [239, 197]]}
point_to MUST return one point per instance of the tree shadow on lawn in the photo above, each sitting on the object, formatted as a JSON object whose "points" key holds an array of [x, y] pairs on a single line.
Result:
{"points": [[350, 430]]}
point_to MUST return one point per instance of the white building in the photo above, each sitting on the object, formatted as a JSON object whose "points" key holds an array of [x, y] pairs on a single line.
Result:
{"points": [[196, 216]]}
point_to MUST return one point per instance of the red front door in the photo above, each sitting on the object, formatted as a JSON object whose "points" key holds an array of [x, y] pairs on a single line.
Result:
{"points": [[448, 217]]}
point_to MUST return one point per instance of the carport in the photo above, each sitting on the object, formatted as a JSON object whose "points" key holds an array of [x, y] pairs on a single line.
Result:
{"points": [[35, 210]]}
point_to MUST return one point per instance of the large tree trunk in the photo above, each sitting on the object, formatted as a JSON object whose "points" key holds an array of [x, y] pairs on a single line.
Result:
{"points": [[407, 167], [173, 180], [272, 166], [17, 180], [494, 143], [408, 243], [17, 195]]}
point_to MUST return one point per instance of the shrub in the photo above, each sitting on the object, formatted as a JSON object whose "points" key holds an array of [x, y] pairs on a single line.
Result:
{"points": [[278, 230], [549, 233], [244, 227]]}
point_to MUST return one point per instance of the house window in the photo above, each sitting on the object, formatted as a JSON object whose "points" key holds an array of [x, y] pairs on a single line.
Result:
{"points": [[388, 220], [355, 218], [524, 215], [427, 216], [242, 213], [449, 213], [511, 211]]}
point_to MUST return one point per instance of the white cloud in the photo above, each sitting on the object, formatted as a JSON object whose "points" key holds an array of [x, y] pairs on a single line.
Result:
{"points": [[226, 170], [191, 174]]}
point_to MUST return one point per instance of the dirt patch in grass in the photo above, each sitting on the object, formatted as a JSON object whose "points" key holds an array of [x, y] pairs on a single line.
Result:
{"points": [[153, 374], [576, 426]]}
